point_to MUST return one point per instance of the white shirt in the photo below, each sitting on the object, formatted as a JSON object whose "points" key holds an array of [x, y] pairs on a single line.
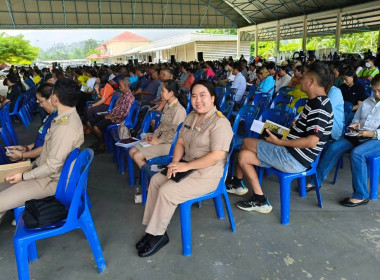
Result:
{"points": [[282, 82], [252, 75], [368, 115], [240, 84], [230, 76], [111, 77]]}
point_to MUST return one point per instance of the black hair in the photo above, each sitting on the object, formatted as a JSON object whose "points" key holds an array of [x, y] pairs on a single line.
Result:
{"points": [[132, 70], [237, 66], [330, 78], [210, 87], [271, 65], [300, 68], [93, 73], [285, 68], [375, 80], [172, 85], [338, 66], [350, 72], [67, 91], [5, 82], [321, 73], [78, 72], [372, 58], [26, 75], [45, 90], [12, 78], [103, 79]]}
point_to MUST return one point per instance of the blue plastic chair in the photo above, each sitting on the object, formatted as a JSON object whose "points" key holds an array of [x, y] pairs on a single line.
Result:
{"points": [[247, 114], [364, 82], [7, 132], [374, 166], [124, 152], [220, 94], [73, 196], [138, 129], [285, 90], [24, 117], [111, 136], [278, 116], [282, 101], [368, 91], [17, 106], [285, 186], [185, 209], [229, 95], [348, 115], [189, 107], [227, 108], [299, 103], [146, 172]]}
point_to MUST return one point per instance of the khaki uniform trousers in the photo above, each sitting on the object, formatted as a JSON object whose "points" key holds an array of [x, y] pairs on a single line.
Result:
{"points": [[154, 150], [13, 196], [164, 195]]}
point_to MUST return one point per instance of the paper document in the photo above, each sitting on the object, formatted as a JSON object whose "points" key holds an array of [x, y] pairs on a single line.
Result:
{"points": [[257, 126]]}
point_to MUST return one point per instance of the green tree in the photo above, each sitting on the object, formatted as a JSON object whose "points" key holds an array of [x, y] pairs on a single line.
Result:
{"points": [[17, 50], [90, 45]]}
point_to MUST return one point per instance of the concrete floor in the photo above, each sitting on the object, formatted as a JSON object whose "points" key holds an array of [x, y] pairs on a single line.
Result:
{"points": [[330, 243]]}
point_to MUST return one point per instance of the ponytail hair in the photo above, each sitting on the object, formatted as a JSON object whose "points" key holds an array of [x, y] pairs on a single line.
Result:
{"points": [[173, 86]]}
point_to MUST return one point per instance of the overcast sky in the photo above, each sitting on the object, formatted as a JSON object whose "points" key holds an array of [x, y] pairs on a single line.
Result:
{"points": [[46, 38]]}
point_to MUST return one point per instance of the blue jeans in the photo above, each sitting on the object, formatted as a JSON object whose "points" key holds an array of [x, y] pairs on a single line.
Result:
{"points": [[358, 157]]}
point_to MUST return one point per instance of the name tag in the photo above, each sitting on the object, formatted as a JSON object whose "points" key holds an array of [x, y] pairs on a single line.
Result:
{"points": [[187, 126]]}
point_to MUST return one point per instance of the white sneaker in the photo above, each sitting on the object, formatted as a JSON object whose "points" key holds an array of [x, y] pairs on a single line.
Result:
{"points": [[238, 191], [251, 205]]}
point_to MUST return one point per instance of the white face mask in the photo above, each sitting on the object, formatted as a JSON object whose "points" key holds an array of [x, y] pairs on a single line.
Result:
{"points": [[367, 64], [298, 64], [259, 64]]}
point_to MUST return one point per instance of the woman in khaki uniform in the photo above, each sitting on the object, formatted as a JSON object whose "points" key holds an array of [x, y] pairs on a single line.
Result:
{"points": [[64, 135], [173, 114], [203, 144]]}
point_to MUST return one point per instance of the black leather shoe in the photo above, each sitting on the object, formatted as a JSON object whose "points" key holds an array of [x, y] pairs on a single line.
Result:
{"points": [[153, 245], [348, 203], [143, 241]]}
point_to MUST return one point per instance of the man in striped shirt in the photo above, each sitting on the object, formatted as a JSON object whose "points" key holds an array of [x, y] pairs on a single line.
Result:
{"points": [[294, 154]]}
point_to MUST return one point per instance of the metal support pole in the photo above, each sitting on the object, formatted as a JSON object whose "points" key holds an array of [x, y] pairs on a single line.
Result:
{"points": [[256, 41], [338, 29], [304, 34], [238, 43], [278, 38]]}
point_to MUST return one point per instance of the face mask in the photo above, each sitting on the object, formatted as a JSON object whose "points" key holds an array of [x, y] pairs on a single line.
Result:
{"points": [[259, 64], [298, 64], [367, 64], [226, 69]]}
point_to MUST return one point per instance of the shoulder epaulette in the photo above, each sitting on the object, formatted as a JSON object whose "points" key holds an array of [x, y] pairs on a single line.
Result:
{"points": [[63, 120], [220, 114]]}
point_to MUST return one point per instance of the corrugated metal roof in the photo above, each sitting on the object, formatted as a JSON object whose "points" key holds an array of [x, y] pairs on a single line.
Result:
{"points": [[30, 14]]}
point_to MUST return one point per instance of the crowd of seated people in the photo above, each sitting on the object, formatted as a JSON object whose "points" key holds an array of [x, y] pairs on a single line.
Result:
{"points": [[206, 134]]}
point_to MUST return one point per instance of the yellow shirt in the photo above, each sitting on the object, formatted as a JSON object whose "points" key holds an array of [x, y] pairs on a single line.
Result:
{"points": [[83, 80], [298, 94], [36, 79]]}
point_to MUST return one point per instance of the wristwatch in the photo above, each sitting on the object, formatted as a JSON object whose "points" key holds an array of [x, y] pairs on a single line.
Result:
{"points": [[375, 134]]}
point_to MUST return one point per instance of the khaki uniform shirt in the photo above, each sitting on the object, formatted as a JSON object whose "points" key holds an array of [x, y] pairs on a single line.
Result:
{"points": [[172, 116], [64, 135], [213, 133]]}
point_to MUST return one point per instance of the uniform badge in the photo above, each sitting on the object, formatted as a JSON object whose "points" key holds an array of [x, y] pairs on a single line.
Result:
{"points": [[220, 114], [197, 128], [63, 120]]}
